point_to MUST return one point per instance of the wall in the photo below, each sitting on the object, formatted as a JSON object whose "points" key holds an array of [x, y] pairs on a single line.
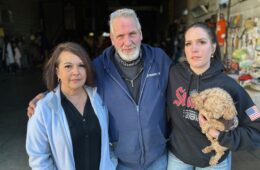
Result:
{"points": [[212, 9], [248, 9]]}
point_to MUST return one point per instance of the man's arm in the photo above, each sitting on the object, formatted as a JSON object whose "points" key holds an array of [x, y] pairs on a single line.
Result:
{"points": [[32, 104]]}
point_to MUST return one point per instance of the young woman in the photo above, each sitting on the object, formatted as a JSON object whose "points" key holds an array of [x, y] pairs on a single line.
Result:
{"points": [[203, 70], [70, 127]]}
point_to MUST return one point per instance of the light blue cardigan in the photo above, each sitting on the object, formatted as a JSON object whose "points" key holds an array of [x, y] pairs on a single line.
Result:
{"points": [[48, 141]]}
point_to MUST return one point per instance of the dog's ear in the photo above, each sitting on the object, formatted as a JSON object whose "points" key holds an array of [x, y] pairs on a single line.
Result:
{"points": [[230, 112], [197, 100], [230, 109]]}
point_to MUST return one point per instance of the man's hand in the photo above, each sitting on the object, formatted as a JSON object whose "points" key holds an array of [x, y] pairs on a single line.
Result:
{"points": [[32, 104]]}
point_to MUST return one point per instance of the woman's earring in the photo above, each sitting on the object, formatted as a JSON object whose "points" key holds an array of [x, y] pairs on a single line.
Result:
{"points": [[58, 80]]}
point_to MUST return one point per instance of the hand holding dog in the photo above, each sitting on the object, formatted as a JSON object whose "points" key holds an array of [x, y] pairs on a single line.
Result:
{"points": [[212, 132]]}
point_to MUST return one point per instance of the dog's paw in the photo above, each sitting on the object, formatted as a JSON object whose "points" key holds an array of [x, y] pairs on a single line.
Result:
{"points": [[207, 149], [213, 161]]}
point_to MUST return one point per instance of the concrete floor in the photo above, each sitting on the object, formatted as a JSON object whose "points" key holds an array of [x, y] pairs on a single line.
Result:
{"points": [[17, 90]]}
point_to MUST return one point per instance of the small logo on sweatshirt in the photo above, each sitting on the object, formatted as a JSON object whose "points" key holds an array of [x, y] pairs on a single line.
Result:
{"points": [[153, 74], [253, 113], [191, 115]]}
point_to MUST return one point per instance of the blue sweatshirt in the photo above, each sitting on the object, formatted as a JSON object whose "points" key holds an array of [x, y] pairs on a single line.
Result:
{"points": [[137, 130]]}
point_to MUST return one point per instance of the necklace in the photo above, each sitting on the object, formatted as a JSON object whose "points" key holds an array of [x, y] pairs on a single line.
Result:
{"points": [[135, 77]]}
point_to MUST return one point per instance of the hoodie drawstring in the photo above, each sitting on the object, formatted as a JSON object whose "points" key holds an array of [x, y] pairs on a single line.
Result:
{"points": [[188, 91]]}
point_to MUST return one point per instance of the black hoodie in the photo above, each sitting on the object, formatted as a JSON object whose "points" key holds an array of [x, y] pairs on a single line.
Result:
{"points": [[186, 139]]}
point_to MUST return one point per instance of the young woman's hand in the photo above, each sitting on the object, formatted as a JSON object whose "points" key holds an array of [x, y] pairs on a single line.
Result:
{"points": [[212, 132]]}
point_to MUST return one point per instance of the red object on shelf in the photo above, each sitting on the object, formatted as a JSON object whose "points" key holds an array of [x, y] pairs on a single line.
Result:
{"points": [[245, 77], [221, 29]]}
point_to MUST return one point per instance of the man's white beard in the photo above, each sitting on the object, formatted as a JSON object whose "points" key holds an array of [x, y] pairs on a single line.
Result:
{"points": [[129, 57]]}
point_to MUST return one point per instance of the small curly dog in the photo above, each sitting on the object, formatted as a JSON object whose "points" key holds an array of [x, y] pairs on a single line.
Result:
{"points": [[217, 106]]}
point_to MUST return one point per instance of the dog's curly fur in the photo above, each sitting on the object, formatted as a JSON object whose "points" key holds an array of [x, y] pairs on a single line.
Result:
{"points": [[217, 106]]}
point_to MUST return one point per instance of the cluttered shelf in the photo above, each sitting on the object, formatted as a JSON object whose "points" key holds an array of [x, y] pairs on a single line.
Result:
{"points": [[251, 85], [242, 61]]}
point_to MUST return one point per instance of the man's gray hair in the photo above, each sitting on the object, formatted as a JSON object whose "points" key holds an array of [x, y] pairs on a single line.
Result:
{"points": [[124, 12]]}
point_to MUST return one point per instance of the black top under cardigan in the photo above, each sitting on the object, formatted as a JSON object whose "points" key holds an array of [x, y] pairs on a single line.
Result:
{"points": [[85, 134]]}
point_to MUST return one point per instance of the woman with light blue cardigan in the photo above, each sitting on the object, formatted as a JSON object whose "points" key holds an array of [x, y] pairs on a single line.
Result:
{"points": [[70, 127]]}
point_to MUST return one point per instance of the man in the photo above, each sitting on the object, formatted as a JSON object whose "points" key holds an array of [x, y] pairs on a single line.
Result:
{"points": [[132, 79]]}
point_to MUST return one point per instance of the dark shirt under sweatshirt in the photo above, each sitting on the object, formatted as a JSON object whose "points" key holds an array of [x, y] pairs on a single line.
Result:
{"points": [[131, 73], [85, 134]]}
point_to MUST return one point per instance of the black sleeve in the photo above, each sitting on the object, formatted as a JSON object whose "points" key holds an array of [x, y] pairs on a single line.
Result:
{"points": [[247, 134]]}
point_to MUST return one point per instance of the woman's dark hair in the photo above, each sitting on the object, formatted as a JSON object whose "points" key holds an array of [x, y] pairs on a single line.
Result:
{"points": [[211, 34], [49, 73]]}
